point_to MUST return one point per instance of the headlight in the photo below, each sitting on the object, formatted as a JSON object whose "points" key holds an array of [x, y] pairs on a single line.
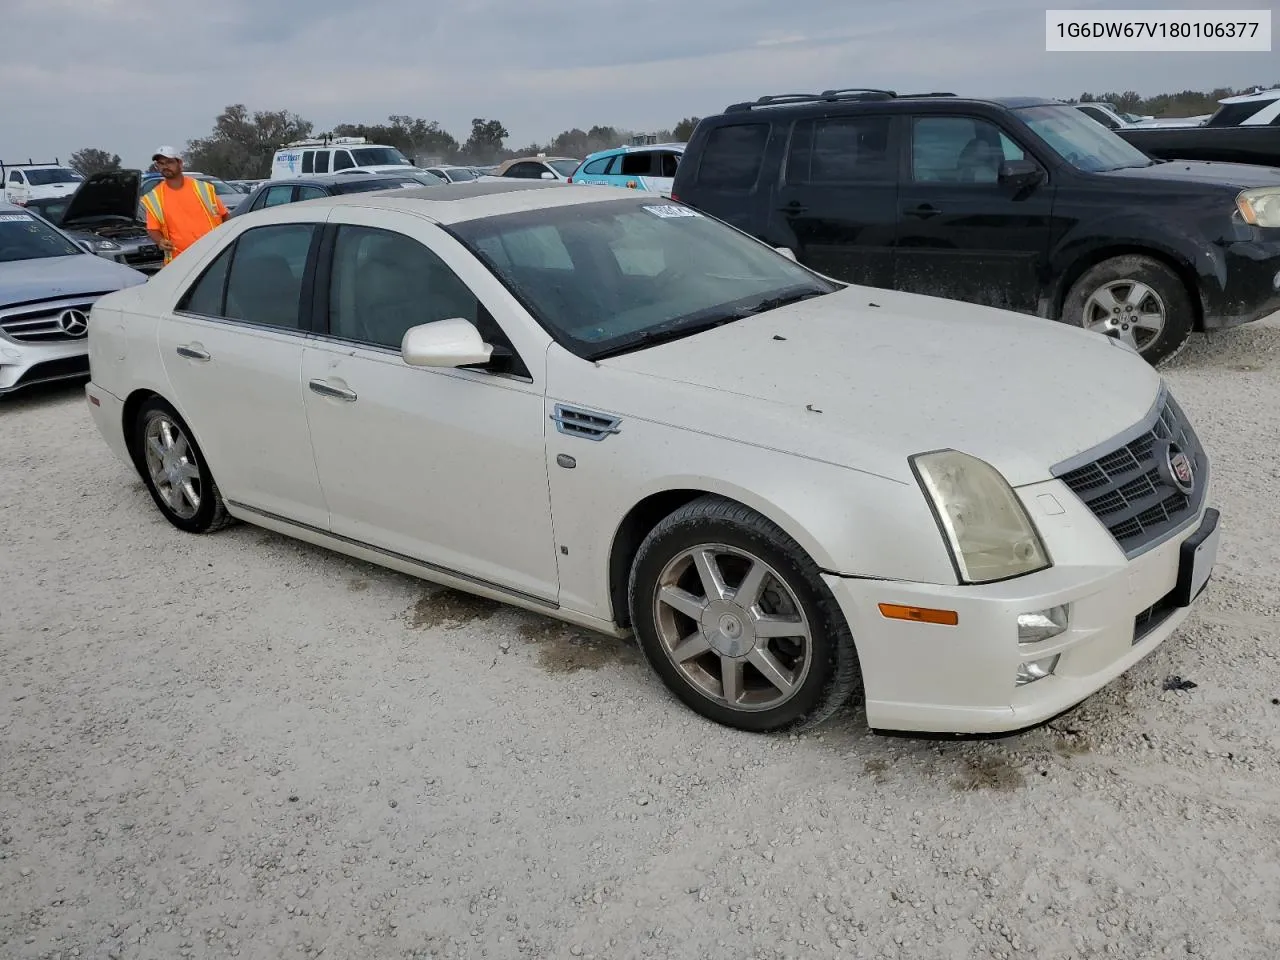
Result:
{"points": [[105, 246], [1261, 207], [987, 531]]}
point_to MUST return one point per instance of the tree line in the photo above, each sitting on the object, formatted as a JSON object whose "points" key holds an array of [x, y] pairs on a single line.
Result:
{"points": [[241, 144]]}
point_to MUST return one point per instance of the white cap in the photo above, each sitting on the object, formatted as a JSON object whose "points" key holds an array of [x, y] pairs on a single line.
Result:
{"points": [[166, 152]]}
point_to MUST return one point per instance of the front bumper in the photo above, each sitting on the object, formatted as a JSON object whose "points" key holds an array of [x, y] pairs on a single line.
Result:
{"points": [[930, 678], [26, 364], [1251, 285]]}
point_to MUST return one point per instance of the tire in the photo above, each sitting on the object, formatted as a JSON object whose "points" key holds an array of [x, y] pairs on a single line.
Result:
{"points": [[174, 469], [1112, 294], [812, 653]]}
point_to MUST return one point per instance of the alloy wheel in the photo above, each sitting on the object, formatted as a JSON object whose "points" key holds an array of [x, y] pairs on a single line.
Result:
{"points": [[1128, 310], [172, 466]]}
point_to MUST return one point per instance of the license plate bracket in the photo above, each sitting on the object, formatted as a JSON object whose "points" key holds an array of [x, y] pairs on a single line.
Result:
{"points": [[1196, 560]]}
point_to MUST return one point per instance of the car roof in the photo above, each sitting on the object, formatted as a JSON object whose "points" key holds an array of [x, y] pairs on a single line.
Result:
{"points": [[876, 100], [634, 148], [474, 200]]}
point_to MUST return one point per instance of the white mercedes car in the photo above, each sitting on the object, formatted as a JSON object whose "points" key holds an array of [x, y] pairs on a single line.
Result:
{"points": [[608, 408]]}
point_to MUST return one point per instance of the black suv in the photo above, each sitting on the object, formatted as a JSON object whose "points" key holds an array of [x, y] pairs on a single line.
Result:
{"points": [[1025, 204]]}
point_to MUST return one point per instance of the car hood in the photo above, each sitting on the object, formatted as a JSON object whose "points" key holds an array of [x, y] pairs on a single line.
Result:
{"points": [[113, 194], [866, 378], [22, 281], [1240, 175]]}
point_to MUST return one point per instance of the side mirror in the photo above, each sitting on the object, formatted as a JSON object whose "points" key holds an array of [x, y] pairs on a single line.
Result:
{"points": [[548, 175], [1020, 174], [786, 252], [444, 343]]}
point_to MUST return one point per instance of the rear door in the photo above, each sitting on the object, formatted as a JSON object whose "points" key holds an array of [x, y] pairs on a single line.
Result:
{"points": [[837, 206], [963, 234], [599, 170]]}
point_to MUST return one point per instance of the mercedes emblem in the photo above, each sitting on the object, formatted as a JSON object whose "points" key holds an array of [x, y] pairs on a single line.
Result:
{"points": [[74, 323]]}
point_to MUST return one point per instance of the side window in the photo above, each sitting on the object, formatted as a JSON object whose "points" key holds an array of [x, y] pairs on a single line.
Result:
{"points": [[958, 150], [322, 161], [307, 192], [342, 160], [670, 161], [1099, 115], [15, 177], [842, 150], [383, 283], [733, 155], [265, 283], [308, 161], [598, 168], [637, 164], [204, 297], [278, 195]]}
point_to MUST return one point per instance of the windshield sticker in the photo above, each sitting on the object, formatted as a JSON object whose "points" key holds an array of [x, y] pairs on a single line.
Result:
{"points": [[14, 217], [668, 211]]}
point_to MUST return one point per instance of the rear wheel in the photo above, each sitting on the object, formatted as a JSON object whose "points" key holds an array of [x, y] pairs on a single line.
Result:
{"points": [[1136, 299], [175, 472], [735, 619]]}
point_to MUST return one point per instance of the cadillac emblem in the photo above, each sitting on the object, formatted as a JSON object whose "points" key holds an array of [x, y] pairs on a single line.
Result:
{"points": [[1181, 470]]}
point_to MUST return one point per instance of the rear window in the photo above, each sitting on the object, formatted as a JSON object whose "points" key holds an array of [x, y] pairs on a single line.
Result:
{"points": [[598, 167], [733, 155]]}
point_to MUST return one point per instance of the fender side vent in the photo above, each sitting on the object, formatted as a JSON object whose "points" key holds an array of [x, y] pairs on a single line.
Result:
{"points": [[586, 424]]}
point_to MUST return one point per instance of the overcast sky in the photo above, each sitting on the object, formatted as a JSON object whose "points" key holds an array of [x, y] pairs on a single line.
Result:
{"points": [[127, 76]]}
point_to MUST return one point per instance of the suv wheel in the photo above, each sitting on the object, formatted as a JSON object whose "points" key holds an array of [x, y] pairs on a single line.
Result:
{"points": [[736, 620], [1136, 299]]}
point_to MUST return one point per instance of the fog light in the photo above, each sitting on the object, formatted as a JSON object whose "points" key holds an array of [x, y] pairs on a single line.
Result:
{"points": [[1042, 624], [1034, 670]]}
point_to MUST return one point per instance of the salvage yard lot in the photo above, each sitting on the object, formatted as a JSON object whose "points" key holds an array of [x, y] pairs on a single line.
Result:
{"points": [[240, 745]]}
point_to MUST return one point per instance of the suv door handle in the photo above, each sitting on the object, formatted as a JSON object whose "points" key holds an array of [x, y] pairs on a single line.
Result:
{"points": [[924, 211], [329, 390], [192, 353]]}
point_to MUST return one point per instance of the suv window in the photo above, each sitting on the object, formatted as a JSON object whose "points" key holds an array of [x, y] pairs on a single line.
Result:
{"points": [[637, 164], [383, 283], [322, 161], [342, 160], [599, 167], [959, 150], [733, 155], [841, 150], [308, 161], [263, 284], [669, 163]]}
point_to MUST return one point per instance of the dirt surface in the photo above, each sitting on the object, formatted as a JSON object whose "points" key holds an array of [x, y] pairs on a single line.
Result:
{"points": [[239, 745]]}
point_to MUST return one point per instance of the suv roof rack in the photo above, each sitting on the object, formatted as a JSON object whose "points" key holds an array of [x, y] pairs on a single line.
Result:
{"points": [[827, 96]]}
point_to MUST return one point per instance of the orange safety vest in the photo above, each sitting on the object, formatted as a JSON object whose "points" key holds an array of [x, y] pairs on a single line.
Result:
{"points": [[204, 192]]}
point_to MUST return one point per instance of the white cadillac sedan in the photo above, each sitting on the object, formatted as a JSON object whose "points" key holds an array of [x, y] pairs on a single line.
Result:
{"points": [[608, 408]]}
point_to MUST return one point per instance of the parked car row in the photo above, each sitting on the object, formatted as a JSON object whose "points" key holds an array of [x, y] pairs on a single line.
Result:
{"points": [[627, 414]]}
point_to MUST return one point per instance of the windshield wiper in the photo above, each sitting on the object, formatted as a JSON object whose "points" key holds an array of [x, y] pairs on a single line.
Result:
{"points": [[773, 303], [653, 337]]}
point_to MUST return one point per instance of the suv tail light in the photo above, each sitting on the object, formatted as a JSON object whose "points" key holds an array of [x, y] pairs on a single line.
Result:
{"points": [[674, 197], [570, 180]]}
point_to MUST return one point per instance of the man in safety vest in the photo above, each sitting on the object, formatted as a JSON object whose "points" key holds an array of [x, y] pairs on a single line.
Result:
{"points": [[180, 210]]}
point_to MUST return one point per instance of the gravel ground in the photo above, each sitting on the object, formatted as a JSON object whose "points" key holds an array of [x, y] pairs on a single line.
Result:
{"points": [[243, 746]]}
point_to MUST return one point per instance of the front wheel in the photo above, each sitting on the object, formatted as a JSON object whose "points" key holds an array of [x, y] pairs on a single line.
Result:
{"points": [[1136, 299], [734, 617]]}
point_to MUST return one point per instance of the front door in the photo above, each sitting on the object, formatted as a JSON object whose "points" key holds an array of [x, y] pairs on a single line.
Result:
{"points": [[837, 205], [232, 351], [963, 234], [445, 466]]}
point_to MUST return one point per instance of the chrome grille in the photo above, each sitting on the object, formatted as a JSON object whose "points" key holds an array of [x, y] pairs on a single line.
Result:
{"points": [[1127, 489], [38, 322]]}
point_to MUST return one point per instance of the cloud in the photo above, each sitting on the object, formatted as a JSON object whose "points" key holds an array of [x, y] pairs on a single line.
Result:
{"points": [[125, 76]]}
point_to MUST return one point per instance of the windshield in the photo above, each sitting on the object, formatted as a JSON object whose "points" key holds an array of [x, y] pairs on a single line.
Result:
{"points": [[563, 167], [1083, 142], [24, 237], [378, 157], [51, 210], [43, 178], [612, 275]]}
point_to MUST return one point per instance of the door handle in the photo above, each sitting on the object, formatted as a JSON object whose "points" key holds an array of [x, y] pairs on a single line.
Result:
{"points": [[193, 353], [924, 211], [329, 390]]}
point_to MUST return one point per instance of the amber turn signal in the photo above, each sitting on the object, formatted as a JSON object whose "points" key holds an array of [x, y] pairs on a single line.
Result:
{"points": [[894, 611]]}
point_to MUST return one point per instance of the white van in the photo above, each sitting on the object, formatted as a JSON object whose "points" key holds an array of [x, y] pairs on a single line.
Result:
{"points": [[38, 181], [336, 155]]}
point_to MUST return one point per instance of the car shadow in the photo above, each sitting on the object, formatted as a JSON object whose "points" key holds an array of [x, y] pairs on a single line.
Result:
{"points": [[41, 395]]}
